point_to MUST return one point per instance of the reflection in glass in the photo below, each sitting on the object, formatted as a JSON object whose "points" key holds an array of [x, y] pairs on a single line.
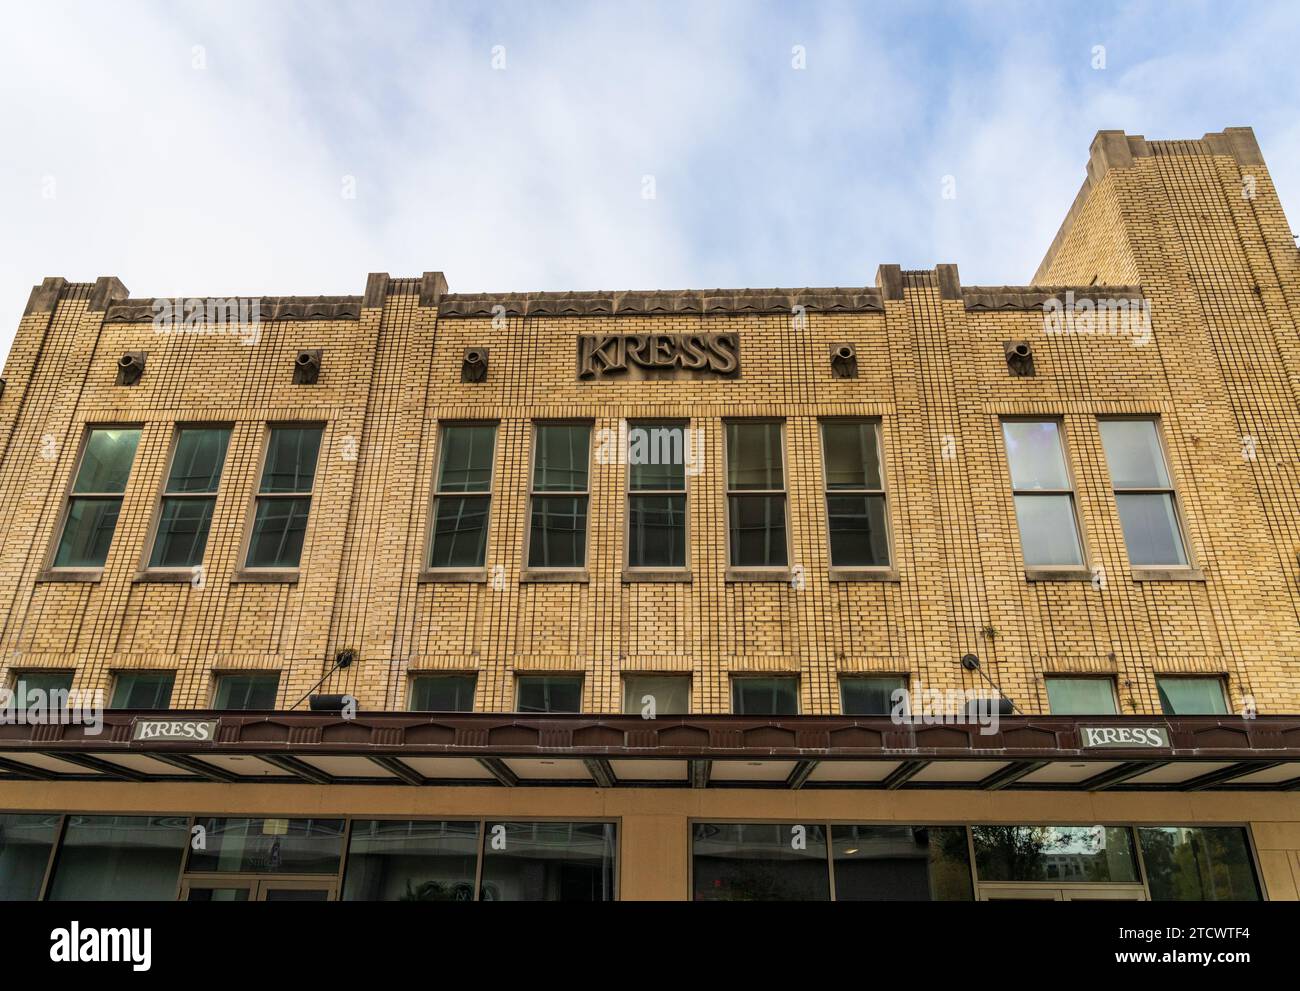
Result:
{"points": [[1198, 863], [756, 862], [411, 861], [1054, 853], [25, 844], [901, 863], [548, 861], [268, 846], [120, 858]]}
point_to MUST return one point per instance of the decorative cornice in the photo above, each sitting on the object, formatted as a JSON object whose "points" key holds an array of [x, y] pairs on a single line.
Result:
{"points": [[662, 302], [272, 308], [985, 298]]}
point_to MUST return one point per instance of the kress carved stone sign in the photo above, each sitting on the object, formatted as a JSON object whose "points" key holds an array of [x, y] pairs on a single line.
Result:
{"points": [[600, 355]]}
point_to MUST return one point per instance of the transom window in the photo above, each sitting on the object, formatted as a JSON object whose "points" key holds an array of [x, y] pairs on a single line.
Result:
{"points": [[142, 690], [284, 497], [872, 695], [763, 696], [442, 692], [463, 497], [1044, 496], [1081, 696], [557, 536], [189, 497], [855, 494], [96, 497], [1182, 695], [656, 694], [548, 693], [756, 495], [1144, 495], [246, 691], [656, 499]]}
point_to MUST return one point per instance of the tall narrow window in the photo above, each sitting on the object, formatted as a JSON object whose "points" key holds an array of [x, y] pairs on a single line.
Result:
{"points": [[284, 497], [189, 497], [656, 499], [855, 494], [756, 495], [96, 498], [561, 468], [1049, 533], [1144, 495], [464, 496]]}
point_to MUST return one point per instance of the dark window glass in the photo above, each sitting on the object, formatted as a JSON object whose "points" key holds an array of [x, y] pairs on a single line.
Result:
{"points": [[1043, 495], [548, 861], [120, 858], [278, 531], [189, 497], [855, 494], [106, 462], [765, 696], [870, 696], [669, 694], [411, 861], [284, 498], [560, 462], [760, 862], [1198, 863], [859, 536], [1055, 853], [460, 522], [42, 691], [558, 538], [756, 495], [901, 863], [465, 464], [87, 533], [246, 691], [143, 690], [656, 460], [25, 844], [1192, 696], [442, 693], [549, 693], [1081, 696], [267, 846], [215, 894]]}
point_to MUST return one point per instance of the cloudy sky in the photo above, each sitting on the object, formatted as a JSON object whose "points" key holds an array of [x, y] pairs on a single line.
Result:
{"points": [[290, 148]]}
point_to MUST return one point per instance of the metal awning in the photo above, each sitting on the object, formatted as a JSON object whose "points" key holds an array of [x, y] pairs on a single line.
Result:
{"points": [[1128, 753]]}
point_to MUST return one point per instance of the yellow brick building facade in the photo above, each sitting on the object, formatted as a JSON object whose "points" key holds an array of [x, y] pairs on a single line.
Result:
{"points": [[1191, 229]]}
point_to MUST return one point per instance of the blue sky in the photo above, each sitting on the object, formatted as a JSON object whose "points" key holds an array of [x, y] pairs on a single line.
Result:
{"points": [[221, 169]]}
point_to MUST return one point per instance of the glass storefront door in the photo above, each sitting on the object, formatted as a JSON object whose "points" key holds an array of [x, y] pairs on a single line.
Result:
{"points": [[224, 888]]}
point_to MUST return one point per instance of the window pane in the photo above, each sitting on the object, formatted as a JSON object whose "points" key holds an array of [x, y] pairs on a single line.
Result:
{"points": [[465, 464], [278, 532], [197, 463], [760, 862], [120, 858], [1192, 696], [25, 843], [411, 861], [548, 862], [1080, 696], [1150, 528], [870, 696], [547, 693], [754, 456], [765, 696], [1133, 454], [656, 456], [852, 458], [460, 530], [858, 533], [559, 532], [246, 691], [143, 690], [182, 533], [291, 459], [106, 463], [669, 694], [1054, 853], [42, 690], [1198, 863], [87, 533], [442, 693], [757, 531], [560, 461], [268, 846], [901, 863], [1034, 453], [656, 532], [1047, 532]]}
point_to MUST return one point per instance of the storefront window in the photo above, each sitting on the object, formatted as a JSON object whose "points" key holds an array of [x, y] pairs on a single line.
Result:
{"points": [[411, 861], [1055, 853], [548, 862], [267, 846], [760, 862], [1198, 863], [120, 858], [25, 842], [901, 863]]}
